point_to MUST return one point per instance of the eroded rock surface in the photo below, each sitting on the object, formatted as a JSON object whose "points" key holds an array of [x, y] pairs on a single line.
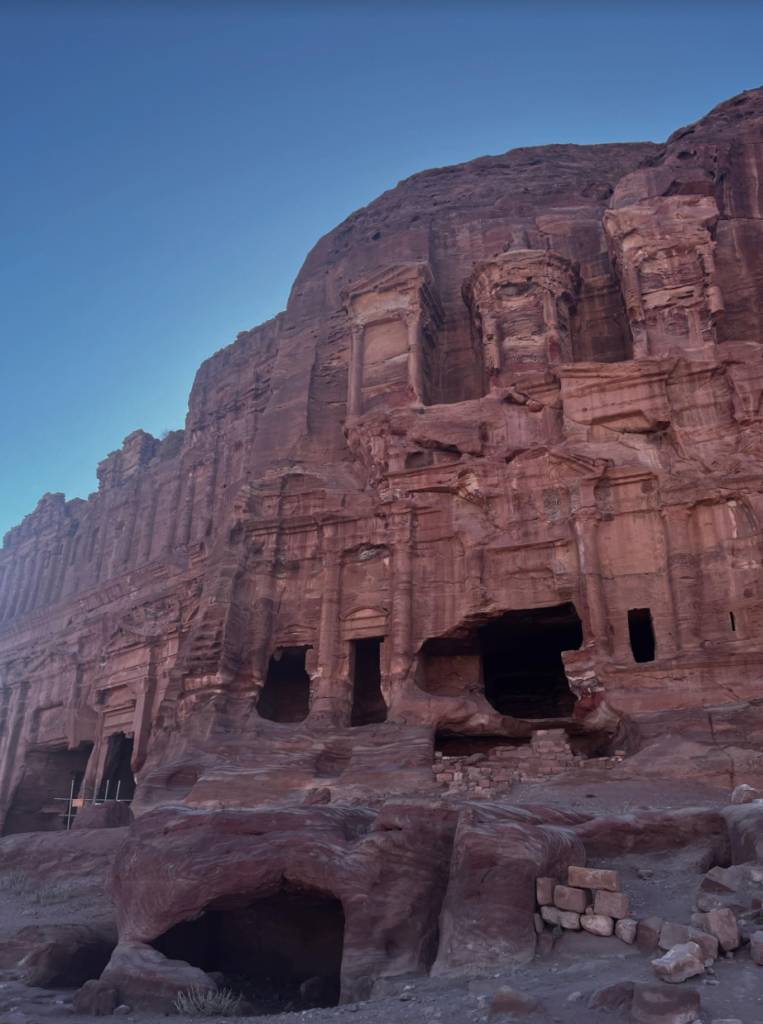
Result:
{"points": [[479, 512]]}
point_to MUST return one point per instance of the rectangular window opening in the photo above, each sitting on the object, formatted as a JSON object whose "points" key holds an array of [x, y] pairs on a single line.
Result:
{"points": [[641, 632]]}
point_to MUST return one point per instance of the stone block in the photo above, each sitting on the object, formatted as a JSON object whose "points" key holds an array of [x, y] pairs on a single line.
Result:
{"points": [[648, 934], [565, 918], [673, 935], [597, 924], [723, 925], [511, 1000], [720, 880], [611, 904], [567, 898], [613, 997], [544, 890], [625, 929], [593, 878], [707, 943], [756, 948], [538, 922], [699, 920], [659, 1004], [679, 963]]}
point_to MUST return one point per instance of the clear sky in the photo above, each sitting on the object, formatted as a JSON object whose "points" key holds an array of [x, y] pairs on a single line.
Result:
{"points": [[167, 167]]}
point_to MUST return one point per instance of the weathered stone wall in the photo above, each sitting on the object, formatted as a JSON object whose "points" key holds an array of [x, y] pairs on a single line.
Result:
{"points": [[512, 410]]}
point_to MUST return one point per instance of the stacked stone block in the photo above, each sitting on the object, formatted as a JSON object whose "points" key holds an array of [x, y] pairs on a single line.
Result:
{"points": [[493, 773], [591, 900]]}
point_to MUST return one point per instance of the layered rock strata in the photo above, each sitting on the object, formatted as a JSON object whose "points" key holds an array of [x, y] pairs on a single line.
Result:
{"points": [[493, 474]]}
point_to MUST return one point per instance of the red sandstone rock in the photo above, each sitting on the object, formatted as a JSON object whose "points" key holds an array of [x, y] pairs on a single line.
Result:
{"points": [[144, 979], [58, 955], [95, 999], [723, 925], [544, 891], [513, 406], [567, 898], [679, 963], [613, 997], [611, 904], [594, 878], [597, 924], [648, 934], [511, 1000], [661, 1004]]}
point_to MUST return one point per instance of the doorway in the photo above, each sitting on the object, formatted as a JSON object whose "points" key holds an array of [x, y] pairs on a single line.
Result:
{"points": [[285, 696], [522, 663], [368, 704]]}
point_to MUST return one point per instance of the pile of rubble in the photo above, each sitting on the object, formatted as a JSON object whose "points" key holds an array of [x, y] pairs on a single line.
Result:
{"points": [[492, 773]]}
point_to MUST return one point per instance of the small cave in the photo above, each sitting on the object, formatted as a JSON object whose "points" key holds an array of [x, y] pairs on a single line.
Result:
{"points": [[368, 704], [41, 800], [118, 780], [282, 953], [522, 664], [285, 696], [465, 746]]}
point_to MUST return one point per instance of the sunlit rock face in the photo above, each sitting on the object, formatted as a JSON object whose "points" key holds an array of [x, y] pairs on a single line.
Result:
{"points": [[496, 469]]}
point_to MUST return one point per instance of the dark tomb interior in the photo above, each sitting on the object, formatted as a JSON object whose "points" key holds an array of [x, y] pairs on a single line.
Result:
{"points": [[641, 632], [522, 664], [283, 952], [117, 771], [368, 705], [285, 697]]}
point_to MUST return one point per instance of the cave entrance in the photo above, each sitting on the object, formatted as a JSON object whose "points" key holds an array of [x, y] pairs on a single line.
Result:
{"points": [[522, 663], [117, 769], [283, 952], [285, 696], [641, 634], [368, 704], [40, 802]]}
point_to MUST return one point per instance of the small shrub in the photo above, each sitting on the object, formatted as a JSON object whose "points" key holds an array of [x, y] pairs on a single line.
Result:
{"points": [[50, 894], [204, 1002], [14, 882]]}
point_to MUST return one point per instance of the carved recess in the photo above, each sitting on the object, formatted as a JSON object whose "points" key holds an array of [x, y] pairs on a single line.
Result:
{"points": [[395, 315], [663, 253], [521, 304]]}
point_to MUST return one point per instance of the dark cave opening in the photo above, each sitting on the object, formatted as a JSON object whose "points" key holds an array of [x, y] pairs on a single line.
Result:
{"points": [[117, 769], [285, 696], [50, 777], [522, 663], [282, 952], [641, 633], [368, 704]]}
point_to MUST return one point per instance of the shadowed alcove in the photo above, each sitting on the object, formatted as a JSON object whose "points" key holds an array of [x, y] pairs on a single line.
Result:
{"points": [[282, 951], [285, 697], [40, 801], [117, 769], [368, 704], [522, 664]]}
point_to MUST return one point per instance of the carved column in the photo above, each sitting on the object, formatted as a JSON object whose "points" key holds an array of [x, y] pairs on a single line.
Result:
{"points": [[416, 358], [402, 605], [332, 689], [355, 380], [144, 701], [682, 575], [595, 619]]}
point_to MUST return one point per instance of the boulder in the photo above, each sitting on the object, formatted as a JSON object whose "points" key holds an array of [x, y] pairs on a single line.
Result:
{"points": [[511, 1000], [675, 934], [626, 929], [109, 814], [611, 904], [661, 1004], [721, 880], [597, 924], [96, 998], [145, 979], [723, 925], [679, 963], [745, 794], [59, 955], [613, 997]]}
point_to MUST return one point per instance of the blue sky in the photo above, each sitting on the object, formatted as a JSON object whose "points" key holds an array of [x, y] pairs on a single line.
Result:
{"points": [[167, 167]]}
